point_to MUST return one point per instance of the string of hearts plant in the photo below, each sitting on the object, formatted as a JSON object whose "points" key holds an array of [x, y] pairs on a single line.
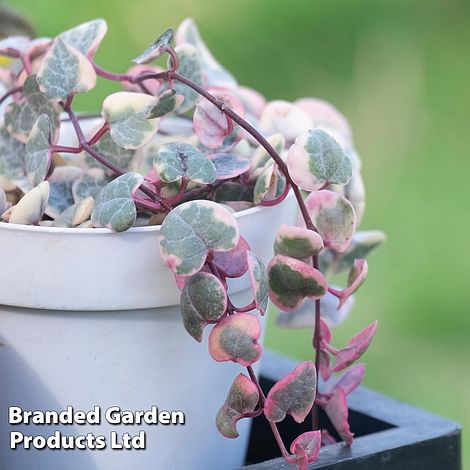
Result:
{"points": [[180, 146]]}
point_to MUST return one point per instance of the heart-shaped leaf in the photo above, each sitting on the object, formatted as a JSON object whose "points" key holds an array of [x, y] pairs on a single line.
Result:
{"points": [[357, 276], [304, 316], [38, 153], [316, 159], [214, 73], [324, 367], [233, 191], [203, 301], [356, 347], [266, 181], [86, 37], [284, 118], [156, 49], [168, 102], [306, 448], [327, 117], [65, 71], [12, 153], [242, 398], [350, 380], [229, 165], [114, 207], [89, 184], [259, 282], [361, 245], [291, 280], [31, 206], [3, 201], [297, 242], [177, 160], [189, 67], [75, 214], [128, 117], [355, 193], [337, 410], [233, 263], [334, 218], [235, 338], [293, 395], [61, 182], [192, 230], [20, 118], [261, 157], [211, 125]]}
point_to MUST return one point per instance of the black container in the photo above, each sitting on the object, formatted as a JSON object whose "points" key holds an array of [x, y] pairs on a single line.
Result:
{"points": [[389, 435]]}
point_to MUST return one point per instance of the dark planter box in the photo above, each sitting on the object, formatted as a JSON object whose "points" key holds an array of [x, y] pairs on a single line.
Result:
{"points": [[389, 435]]}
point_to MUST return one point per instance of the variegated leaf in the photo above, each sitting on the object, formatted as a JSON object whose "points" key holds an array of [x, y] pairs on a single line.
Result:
{"points": [[12, 153], [266, 181], [293, 394], [292, 280], [31, 206], [189, 67], [357, 276], [38, 153], [168, 102], [89, 184], [306, 448], [261, 157], [61, 182], [114, 207], [214, 73], [176, 160], [259, 282], [350, 380], [235, 338], [229, 165], [156, 49], [119, 156], [192, 230], [86, 37], [242, 398], [128, 117], [316, 159], [334, 218], [65, 71], [233, 263], [297, 242], [20, 118], [337, 410], [76, 214], [203, 301]]}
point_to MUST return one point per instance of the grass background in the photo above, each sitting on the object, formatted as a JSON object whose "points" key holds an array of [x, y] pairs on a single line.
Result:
{"points": [[400, 72]]}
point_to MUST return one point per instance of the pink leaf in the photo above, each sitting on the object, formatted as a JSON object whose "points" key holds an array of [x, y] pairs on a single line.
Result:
{"points": [[355, 348], [233, 263], [326, 438], [294, 394], [242, 398], [235, 338], [324, 366], [259, 282], [211, 125], [153, 86], [357, 275], [351, 379], [325, 333], [306, 448], [337, 411]]}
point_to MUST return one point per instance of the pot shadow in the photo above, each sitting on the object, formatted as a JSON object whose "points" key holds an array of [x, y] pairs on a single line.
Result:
{"points": [[26, 390]]}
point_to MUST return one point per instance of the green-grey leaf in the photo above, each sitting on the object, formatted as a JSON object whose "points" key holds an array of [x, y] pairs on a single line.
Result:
{"points": [[156, 49], [87, 36], [203, 300], [191, 230], [75, 214], [263, 183], [38, 154], [61, 182], [114, 207], [259, 281], [128, 117], [20, 118], [317, 159], [189, 67], [89, 184], [113, 153], [177, 160], [12, 154], [65, 71], [168, 102]]}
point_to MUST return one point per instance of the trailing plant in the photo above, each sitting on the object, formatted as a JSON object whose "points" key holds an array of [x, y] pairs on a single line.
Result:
{"points": [[185, 146]]}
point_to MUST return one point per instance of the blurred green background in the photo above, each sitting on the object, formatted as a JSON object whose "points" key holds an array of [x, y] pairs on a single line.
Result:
{"points": [[400, 72]]}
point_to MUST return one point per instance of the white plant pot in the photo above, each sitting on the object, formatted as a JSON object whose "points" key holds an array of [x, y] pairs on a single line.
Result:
{"points": [[89, 317]]}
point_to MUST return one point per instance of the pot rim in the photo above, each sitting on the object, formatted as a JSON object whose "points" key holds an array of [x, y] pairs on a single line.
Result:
{"points": [[90, 231]]}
